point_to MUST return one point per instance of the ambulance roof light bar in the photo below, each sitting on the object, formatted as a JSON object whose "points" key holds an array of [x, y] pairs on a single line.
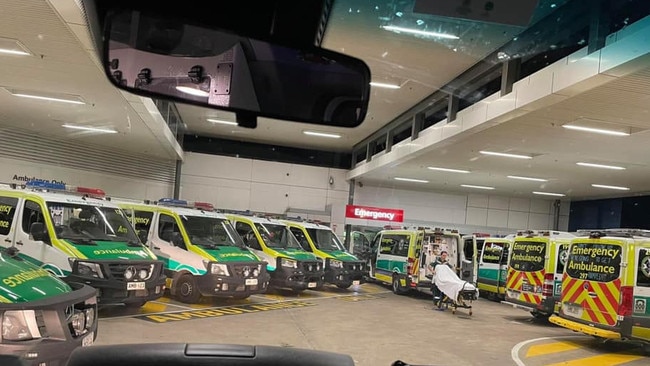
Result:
{"points": [[61, 187], [203, 206]]}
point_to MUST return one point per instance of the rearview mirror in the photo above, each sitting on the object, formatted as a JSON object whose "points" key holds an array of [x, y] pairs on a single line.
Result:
{"points": [[165, 58]]}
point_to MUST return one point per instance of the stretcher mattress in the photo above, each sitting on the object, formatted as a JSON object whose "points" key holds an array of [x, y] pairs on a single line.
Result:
{"points": [[449, 283]]}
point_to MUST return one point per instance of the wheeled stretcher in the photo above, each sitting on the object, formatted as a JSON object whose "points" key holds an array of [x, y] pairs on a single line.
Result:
{"points": [[455, 292]]}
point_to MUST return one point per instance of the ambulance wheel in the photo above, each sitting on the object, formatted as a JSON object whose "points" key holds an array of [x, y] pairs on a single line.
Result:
{"points": [[241, 297], [186, 289], [297, 291], [344, 286], [538, 315], [397, 288]]}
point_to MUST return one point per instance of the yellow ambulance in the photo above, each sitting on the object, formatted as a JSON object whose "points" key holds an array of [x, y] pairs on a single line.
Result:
{"points": [[606, 285]]}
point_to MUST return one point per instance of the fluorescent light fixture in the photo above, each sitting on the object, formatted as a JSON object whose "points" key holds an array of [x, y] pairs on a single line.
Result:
{"points": [[602, 166], [92, 129], [193, 91], [448, 170], [596, 130], [322, 134], [384, 85], [419, 32], [222, 122], [550, 194], [528, 178], [476, 187], [50, 97], [610, 187], [10, 46], [411, 180], [506, 155]]}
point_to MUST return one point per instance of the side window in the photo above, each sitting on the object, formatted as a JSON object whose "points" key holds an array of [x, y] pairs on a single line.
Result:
{"points": [[141, 222], [248, 235], [302, 239], [32, 213], [8, 207], [167, 228], [563, 255], [643, 271]]}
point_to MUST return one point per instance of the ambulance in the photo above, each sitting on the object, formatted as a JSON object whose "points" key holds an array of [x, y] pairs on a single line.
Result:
{"points": [[342, 269], [493, 266], [43, 318], [202, 252], [290, 266], [400, 257], [534, 280], [76, 234], [606, 286]]}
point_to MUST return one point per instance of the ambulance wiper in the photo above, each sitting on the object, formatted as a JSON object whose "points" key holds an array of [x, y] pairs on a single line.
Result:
{"points": [[81, 241], [133, 243]]}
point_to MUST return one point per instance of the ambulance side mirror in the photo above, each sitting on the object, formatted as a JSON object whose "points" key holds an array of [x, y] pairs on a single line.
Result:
{"points": [[37, 231], [143, 236]]}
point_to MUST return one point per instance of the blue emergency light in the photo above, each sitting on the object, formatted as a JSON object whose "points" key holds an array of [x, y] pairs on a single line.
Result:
{"points": [[172, 202], [51, 186], [183, 203], [39, 184]]}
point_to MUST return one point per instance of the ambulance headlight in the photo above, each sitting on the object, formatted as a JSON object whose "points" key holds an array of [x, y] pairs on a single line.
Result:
{"points": [[256, 272], [90, 317], [336, 263], [219, 269], [19, 325], [89, 269], [143, 274], [78, 322], [286, 262]]}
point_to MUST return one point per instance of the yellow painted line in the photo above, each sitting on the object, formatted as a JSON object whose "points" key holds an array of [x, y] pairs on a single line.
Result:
{"points": [[163, 299], [608, 359], [548, 348], [153, 307]]}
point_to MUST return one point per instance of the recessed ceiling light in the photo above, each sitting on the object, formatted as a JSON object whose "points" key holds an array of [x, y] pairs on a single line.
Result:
{"points": [[384, 85], [528, 178], [476, 187], [222, 122], [601, 131], [193, 91], [506, 155], [92, 129], [602, 166], [50, 97], [419, 32], [322, 134], [610, 187], [14, 47], [448, 170], [411, 180], [550, 194]]}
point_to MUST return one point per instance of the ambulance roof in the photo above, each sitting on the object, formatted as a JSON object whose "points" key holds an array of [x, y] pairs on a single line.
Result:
{"points": [[70, 198], [308, 225], [259, 219]]}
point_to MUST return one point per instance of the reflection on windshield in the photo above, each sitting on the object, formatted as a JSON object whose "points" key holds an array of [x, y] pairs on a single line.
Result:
{"points": [[325, 240], [85, 224], [211, 232], [277, 236]]}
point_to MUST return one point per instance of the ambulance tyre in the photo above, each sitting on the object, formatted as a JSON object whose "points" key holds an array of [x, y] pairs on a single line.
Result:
{"points": [[345, 286], [397, 288], [538, 315], [241, 297], [186, 289]]}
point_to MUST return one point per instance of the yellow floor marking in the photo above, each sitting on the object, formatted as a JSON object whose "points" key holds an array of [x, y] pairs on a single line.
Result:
{"points": [[609, 359], [153, 307], [548, 348]]}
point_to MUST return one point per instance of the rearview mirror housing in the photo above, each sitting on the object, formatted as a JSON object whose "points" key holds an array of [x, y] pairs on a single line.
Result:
{"points": [[162, 56]]}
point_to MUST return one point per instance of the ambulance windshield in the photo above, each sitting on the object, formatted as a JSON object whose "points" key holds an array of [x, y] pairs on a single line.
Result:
{"points": [[277, 236], [594, 262], [84, 224], [211, 232], [528, 256], [325, 240]]}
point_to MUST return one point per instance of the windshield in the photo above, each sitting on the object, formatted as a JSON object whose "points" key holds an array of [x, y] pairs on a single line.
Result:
{"points": [[277, 236], [325, 240], [210, 232], [85, 224]]}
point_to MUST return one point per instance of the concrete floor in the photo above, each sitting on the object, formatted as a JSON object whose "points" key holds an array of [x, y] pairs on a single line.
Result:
{"points": [[372, 325]]}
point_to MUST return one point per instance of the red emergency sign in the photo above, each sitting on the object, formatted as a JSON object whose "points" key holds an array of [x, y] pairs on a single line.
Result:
{"points": [[374, 213]]}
